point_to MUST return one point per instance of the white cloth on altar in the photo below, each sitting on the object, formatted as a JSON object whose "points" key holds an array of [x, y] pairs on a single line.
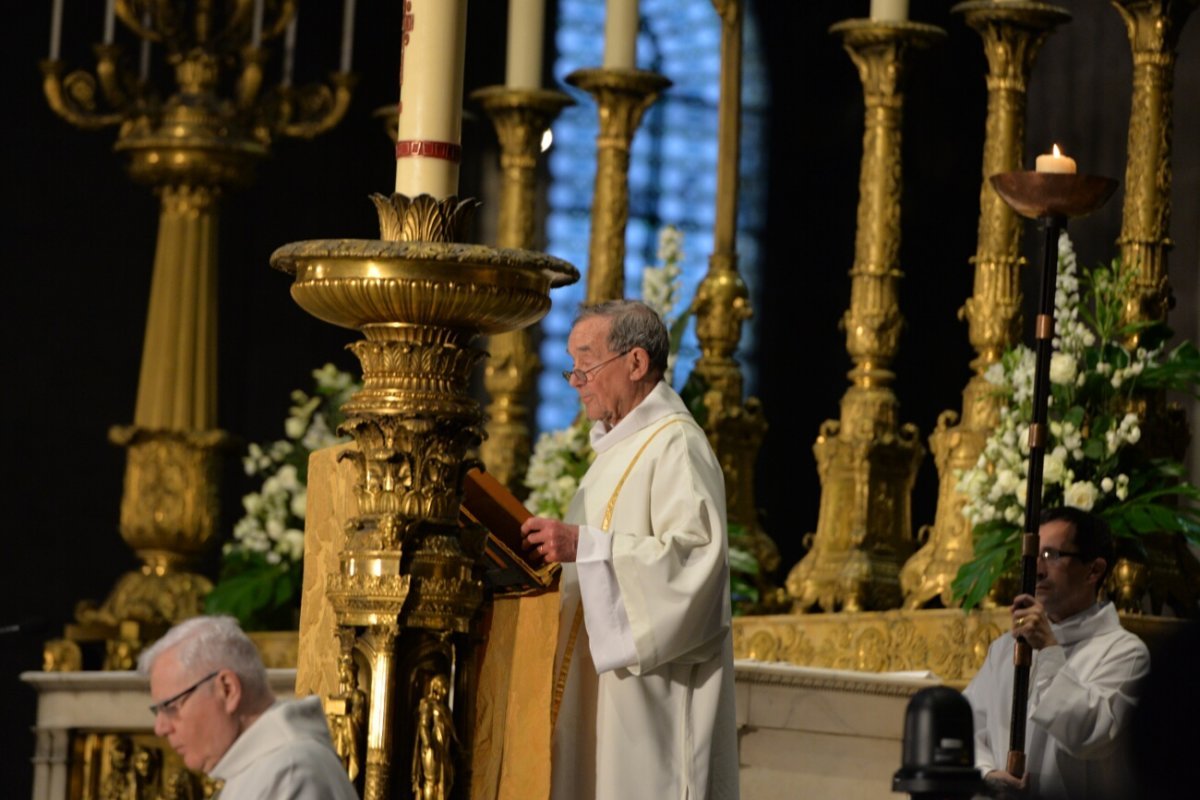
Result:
{"points": [[286, 754], [1082, 693], [656, 718]]}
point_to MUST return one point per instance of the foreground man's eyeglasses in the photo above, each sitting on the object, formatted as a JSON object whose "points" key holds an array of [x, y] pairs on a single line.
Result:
{"points": [[170, 707]]}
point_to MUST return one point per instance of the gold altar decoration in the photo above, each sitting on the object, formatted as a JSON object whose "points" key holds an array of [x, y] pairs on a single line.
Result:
{"points": [[721, 305], [950, 643], [408, 588], [1153, 27], [622, 96], [521, 117], [868, 461], [1012, 33], [190, 147], [132, 766], [1172, 573]]}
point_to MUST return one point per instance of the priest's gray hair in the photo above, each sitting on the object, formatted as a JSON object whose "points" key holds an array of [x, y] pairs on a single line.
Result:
{"points": [[634, 324], [206, 644]]}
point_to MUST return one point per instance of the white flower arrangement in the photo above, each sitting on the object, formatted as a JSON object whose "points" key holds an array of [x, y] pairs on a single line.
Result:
{"points": [[559, 461], [1090, 461], [261, 565]]}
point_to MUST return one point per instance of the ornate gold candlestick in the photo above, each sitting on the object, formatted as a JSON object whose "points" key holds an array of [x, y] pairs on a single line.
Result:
{"points": [[190, 147], [1012, 34], [868, 461], [1153, 27], [408, 586], [622, 96], [721, 305], [521, 117]]}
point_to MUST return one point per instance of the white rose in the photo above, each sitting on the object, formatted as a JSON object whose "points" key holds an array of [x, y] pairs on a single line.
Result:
{"points": [[1106, 484], [1053, 468], [1062, 368], [1081, 495]]}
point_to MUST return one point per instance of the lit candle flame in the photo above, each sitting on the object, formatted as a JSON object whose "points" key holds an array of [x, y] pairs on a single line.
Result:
{"points": [[1057, 152]]}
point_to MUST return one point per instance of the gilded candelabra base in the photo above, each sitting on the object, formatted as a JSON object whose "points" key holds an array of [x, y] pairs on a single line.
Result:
{"points": [[622, 97], [521, 118], [862, 538], [168, 517], [407, 587]]}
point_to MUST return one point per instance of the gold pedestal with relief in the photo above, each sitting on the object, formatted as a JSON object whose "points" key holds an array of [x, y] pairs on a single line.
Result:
{"points": [[408, 587], [1171, 573], [521, 117], [622, 97], [190, 146], [1012, 34], [867, 460]]}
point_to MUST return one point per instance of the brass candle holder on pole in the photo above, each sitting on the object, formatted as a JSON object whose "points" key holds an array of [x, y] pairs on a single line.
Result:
{"points": [[622, 95], [190, 145], [521, 117], [867, 460], [1012, 34], [1051, 199]]}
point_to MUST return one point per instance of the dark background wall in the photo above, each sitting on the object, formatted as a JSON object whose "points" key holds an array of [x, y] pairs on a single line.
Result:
{"points": [[84, 237]]}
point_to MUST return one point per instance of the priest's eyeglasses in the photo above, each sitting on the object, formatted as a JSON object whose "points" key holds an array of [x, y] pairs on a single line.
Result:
{"points": [[170, 707], [581, 376], [1053, 554]]}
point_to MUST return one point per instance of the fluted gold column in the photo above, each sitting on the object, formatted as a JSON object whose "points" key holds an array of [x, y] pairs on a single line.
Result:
{"points": [[721, 305], [1153, 26], [521, 117], [867, 460], [622, 96], [1012, 34], [408, 585]]}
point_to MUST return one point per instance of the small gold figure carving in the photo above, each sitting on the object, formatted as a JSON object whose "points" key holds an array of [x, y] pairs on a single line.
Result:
{"points": [[433, 765]]}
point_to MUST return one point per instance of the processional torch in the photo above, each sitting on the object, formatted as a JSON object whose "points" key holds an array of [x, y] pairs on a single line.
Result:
{"points": [[1051, 195]]}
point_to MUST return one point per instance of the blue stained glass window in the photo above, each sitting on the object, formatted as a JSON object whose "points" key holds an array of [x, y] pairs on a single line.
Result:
{"points": [[672, 172]]}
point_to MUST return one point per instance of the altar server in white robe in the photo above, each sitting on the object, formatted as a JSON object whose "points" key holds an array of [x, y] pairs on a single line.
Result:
{"points": [[1084, 680], [644, 699]]}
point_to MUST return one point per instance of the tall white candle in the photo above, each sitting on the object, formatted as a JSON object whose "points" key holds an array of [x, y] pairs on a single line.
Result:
{"points": [[110, 22], [1055, 162], [620, 34], [889, 10], [289, 49], [56, 15], [256, 24], [347, 34], [526, 25], [428, 150]]}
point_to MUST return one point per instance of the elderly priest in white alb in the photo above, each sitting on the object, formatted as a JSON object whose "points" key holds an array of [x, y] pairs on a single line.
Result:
{"points": [[644, 702]]}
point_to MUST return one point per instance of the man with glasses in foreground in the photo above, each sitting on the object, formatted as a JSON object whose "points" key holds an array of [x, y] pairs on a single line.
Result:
{"points": [[643, 703], [213, 705], [1083, 683]]}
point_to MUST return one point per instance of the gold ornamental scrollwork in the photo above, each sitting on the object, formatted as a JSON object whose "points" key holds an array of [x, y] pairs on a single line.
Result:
{"points": [[1012, 34], [867, 460]]}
